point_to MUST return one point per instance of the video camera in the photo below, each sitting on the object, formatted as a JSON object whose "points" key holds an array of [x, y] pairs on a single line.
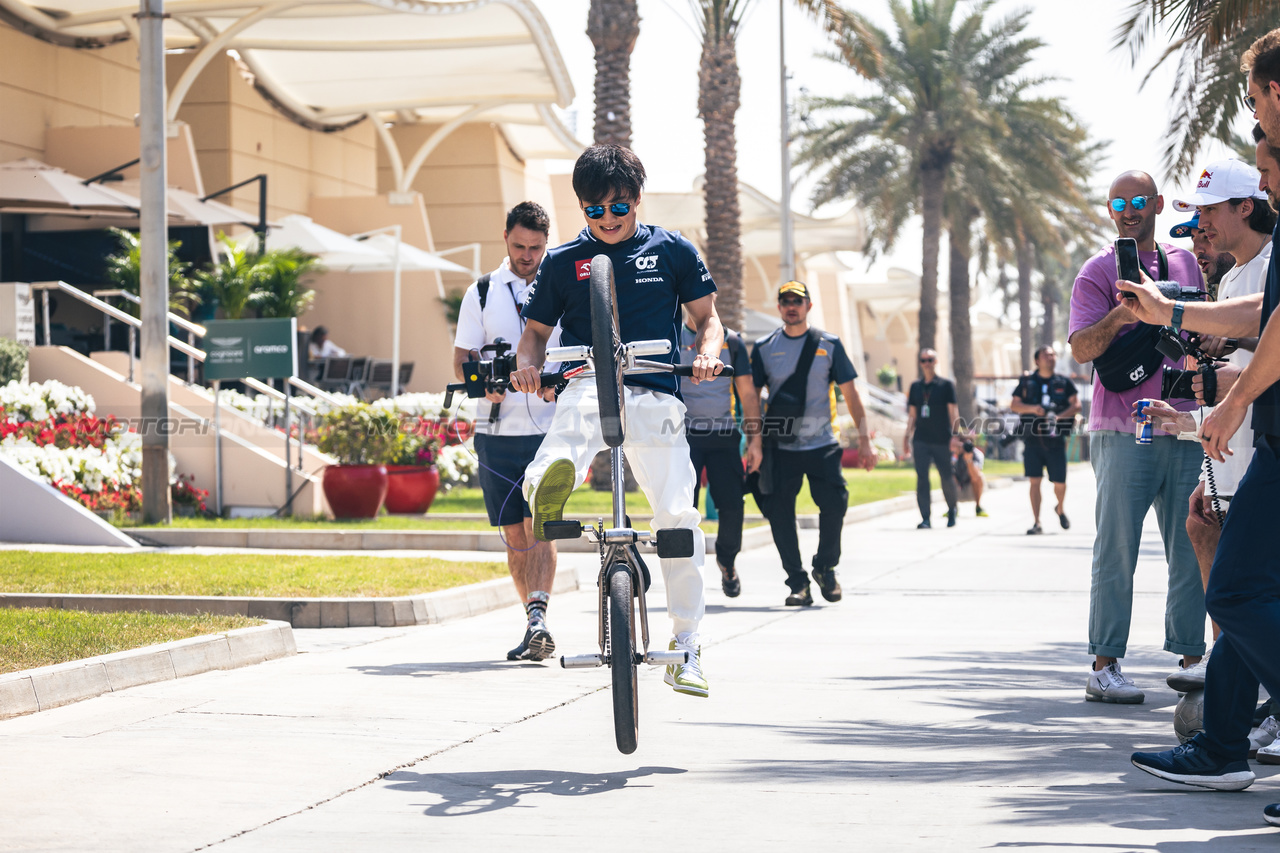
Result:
{"points": [[494, 375], [1176, 383]]}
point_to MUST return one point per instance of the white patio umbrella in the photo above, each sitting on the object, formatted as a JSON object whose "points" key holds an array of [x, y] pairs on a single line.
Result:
{"points": [[411, 257], [188, 208], [30, 184]]}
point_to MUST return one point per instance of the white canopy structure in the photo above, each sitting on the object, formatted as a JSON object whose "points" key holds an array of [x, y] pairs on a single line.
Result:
{"points": [[330, 63]]}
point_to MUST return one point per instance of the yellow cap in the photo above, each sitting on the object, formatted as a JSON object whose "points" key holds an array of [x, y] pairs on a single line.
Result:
{"points": [[797, 287]]}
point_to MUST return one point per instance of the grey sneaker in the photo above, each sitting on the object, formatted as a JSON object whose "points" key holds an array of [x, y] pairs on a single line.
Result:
{"points": [[1109, 684], [1264, 735], [1189, 678]]}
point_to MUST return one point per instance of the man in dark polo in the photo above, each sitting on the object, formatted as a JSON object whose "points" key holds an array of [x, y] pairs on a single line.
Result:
{"points": [[931, 416]]}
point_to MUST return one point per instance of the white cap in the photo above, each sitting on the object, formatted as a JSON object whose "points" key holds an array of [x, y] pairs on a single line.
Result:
{"points": [[1225, 179]]}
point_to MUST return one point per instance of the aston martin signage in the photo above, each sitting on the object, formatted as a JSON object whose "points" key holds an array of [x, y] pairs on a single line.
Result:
{"points": [[257, 349]]}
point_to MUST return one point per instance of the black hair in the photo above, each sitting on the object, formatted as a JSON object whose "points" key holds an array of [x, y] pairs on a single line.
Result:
{"points": [[529, 214], [608, 171], [1261, 219], [1262, 59], [1260, 135], [1039, 352]]}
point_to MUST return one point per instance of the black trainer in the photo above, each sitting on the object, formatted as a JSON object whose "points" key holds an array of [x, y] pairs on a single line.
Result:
{"points": [[1271, 814], [828, 584], [924, 525], [521, 651], [540, 642], [729, 581], [1064, 521], [1192, 764], [803, 598], [951, 518]]}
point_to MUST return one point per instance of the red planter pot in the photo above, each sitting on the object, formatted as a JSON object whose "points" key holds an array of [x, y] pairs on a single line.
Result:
{"points": [[355, 491], [849, 457], [411, 488]]}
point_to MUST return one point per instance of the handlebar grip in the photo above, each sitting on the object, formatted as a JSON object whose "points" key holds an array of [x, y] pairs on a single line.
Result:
{"points": [[551, 380], [687, 370]]}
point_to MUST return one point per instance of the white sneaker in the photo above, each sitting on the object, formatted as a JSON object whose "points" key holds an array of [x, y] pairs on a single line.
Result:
{"points": [[1263, 735], [1269, 754], [1109, 684], [1189, 678]]}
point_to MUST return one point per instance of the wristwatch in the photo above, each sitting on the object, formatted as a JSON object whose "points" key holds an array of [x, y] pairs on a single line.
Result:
{"points": [[1176, 320]]}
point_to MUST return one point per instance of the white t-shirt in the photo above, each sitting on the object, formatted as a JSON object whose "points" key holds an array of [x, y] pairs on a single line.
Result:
{"points": [[329, 350], [520, 414], [1240, 281]]}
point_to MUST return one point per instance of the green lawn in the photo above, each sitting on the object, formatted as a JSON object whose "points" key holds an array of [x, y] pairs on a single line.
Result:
{"points": [[40, 637], [887, 481], [256, 575]]}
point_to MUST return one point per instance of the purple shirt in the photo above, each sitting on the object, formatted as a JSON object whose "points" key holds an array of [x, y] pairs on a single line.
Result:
{"points": [[1092, 296]]}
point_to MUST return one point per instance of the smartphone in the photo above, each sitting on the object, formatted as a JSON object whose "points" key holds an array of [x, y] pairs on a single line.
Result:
{"points": [[1128, 267]]}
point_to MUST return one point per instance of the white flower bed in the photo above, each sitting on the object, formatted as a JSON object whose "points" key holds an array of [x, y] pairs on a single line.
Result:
{"points": [[117, 465], [33, 402], [458, 466]]}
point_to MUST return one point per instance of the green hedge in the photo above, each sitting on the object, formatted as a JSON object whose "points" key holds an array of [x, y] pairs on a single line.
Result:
{"points": [[13, 361]]}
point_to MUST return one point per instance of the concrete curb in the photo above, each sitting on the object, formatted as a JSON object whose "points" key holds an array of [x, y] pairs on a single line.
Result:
{"points": [[428, 608], [33, 690]]}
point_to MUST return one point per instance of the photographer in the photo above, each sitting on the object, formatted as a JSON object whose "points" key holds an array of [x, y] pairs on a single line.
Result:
{"points": [[1244, 583], [506, 440], [1046, 401], [1132, 478], [967, 460]]}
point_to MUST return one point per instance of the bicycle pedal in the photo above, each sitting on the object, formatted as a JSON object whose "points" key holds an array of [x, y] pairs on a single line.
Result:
{"points": [[581, 661], [562, 530], [674, 542], [666, 658]]}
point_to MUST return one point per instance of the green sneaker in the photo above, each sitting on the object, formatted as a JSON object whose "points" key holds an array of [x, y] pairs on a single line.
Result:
{"points": [[549, 497], [981, 513], [687, 677]]}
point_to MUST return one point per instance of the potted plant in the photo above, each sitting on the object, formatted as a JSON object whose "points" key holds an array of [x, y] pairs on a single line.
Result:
{"points": [[363, 440], [413, 477], [887, 375]]}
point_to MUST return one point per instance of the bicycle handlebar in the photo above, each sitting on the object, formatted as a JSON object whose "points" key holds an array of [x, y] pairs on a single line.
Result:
{"points": [[687, 370]]}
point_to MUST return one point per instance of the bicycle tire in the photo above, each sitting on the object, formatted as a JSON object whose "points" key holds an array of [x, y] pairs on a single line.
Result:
{"points": [[622, 661], [606, 338]]}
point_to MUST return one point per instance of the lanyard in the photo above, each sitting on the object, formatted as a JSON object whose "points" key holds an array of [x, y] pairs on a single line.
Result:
{"points": [[511, 288]]}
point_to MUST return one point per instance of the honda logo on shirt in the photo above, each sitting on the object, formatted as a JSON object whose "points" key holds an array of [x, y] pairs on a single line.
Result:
{"points": [[647, 262], [584, 269]]}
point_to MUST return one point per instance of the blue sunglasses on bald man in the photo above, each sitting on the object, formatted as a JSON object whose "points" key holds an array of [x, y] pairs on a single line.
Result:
{"points": [[1138, 202], [618, 208]]}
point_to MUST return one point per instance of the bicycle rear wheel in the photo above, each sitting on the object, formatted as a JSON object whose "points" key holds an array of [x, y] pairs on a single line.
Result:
{"points": [[605, 341], [622, 660]]}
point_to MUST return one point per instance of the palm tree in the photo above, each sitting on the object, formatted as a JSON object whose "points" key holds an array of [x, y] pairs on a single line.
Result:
{"points": [[234, 279], [280, 292], [894, 151], [124, 270], [719, 95], [612, 26], [1212, 35]]}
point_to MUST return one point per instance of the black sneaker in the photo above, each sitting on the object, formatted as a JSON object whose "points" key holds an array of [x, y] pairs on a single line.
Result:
{"points": [[1064, 521], [1035, 530], [1271, 814], [827, 583], [924, 525], [729, 581], [1192, 764], [951, 518], [521, 652], [540, 642], [803, 598]]}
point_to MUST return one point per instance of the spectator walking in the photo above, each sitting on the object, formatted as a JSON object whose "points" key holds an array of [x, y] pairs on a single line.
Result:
{"points": [[800, 365], [1133, 478], [1047, 403], [715, 441], [931, 419]]}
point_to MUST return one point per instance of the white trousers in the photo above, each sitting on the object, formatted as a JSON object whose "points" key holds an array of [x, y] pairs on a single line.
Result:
{"points": [[656, 448]]}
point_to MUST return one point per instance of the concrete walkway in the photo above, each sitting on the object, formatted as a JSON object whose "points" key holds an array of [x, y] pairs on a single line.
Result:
{"points": [[938, 707]]}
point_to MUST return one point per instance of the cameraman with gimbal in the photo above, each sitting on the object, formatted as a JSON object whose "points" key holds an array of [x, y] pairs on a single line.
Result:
{"points": [[510, 425]]}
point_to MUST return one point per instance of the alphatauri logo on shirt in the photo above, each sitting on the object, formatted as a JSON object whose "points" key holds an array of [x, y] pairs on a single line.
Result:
{"points": [[583, 268], [647, 262]]}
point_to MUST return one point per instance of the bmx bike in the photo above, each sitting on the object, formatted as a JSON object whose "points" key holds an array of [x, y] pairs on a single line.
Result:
{"points": [[624, 577]]}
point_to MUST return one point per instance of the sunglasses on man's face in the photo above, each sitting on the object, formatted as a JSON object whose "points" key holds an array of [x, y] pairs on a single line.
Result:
{"points": [[596, 211], [1138, 202], [791, 302], [927, 360]]}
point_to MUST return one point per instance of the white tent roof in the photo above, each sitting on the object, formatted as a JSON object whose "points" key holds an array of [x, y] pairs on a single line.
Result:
{"points": [[330, 62], [761, 222]]}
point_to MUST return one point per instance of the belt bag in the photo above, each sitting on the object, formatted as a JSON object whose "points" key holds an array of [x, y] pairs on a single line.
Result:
{"points": [[1131, 359]]}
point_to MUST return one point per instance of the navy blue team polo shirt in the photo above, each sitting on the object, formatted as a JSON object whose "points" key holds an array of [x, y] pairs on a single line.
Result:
{"points": [[654, 273]]}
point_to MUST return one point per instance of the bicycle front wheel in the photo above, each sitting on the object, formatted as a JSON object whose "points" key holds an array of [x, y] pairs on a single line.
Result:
{"points": [[606, 338], [622, 661]]}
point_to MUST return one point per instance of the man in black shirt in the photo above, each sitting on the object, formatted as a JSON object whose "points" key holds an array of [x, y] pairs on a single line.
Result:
{"points": [[1243, 594], [1048, 404], [931, 415]]}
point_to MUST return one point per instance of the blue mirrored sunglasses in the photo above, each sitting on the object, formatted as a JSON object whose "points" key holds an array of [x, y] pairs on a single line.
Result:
{"points": [[1138, 202], [618, 208]]}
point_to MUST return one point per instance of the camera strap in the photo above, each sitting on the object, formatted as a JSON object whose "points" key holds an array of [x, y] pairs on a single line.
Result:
{"points": [[482, 288], [1162, 264]]}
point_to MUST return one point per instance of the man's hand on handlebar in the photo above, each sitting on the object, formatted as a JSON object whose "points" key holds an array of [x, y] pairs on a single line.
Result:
{"points": [[527, 379], [706, 368]]}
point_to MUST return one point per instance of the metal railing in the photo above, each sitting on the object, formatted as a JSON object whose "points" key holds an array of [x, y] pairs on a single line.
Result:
{"points": [[193, 354]]}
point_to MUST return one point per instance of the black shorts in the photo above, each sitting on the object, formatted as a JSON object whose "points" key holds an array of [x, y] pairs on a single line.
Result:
{"points": [[1037, 457], [503, 459]]}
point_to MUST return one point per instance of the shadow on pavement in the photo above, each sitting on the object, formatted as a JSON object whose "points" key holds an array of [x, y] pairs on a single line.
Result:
{"points": [[427, 670], [476, 793]]}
